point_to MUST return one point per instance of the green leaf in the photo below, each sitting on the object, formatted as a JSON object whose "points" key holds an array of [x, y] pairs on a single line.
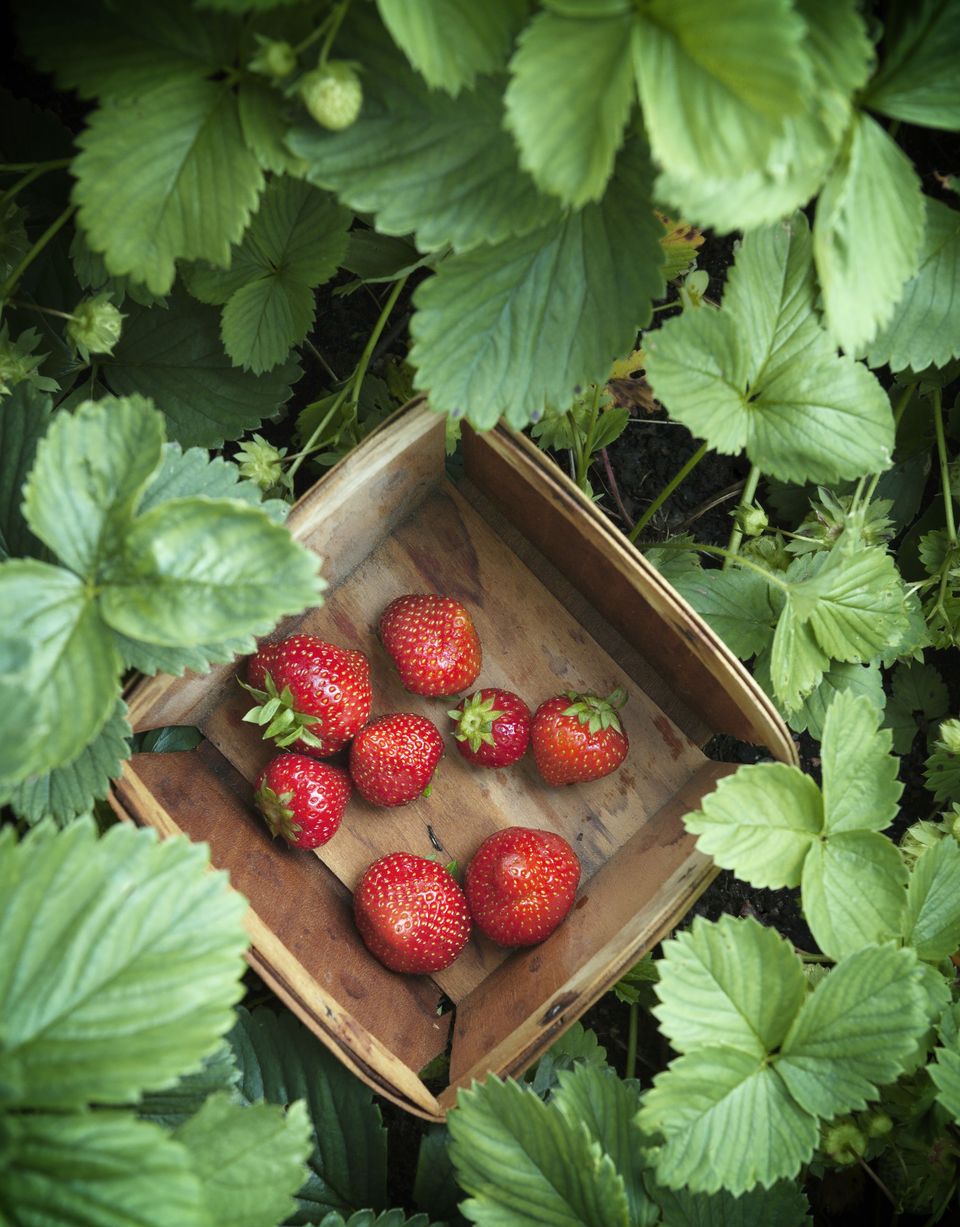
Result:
{"points": [[24, 419], [945, 1073], [524, 1161], [854, 891], [728, 1122], [932, 921], [716, 83], [854, 1032], [280, 1061], [943, 765], [249, 1160], [123, 959], [917, 690], [450, 41], [797, 662], [197, 571], [370, 1218], [70, 790], [92, 274], [860, 786], [739, 604], [782, 1205], [870, 203], [195, 472], [917, 81], [733, 979], [761, 823], [761, 374], [569, 99], [90, 471], [924, 330], [187, 1096], [163, 177], [518, 328], [175, 357], [841, 678], [435, 1189], [264, 122], [96, 1169], [73, 654]]}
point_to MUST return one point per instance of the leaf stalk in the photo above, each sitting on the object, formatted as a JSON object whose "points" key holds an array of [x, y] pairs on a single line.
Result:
{"points": [[667, 490]]}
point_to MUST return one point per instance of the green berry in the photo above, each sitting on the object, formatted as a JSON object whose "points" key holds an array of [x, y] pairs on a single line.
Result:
{"points": [[333, 95], [261, 462], [95, 326], [276, 60], [843, 1141], [877, 1124], [752, 521]]}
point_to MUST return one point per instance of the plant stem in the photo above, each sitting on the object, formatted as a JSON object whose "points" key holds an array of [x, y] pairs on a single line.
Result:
{"points": [[746, 500], [612, 483], [51, 232], [722, 553], [667, 490], [631, 1066], [28, 178], [31, 306], [13, 168], [944, 468], [321, 359], [586, 450], [665, 306], [336, 21]]}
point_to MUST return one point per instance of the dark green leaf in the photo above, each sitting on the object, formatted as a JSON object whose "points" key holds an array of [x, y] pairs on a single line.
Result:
{"points": [[179, 1102], [24, 418], [782, 1205], [917, 81], [918, 696]]}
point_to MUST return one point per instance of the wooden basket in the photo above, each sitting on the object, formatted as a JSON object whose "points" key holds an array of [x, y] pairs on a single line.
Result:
{"points": [[561, 600]]}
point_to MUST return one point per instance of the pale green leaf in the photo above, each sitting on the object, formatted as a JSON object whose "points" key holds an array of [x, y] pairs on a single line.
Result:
{"points": [[198, 571], [945, 1073], [450, 41], [717, 82], [249, 1160], [378, 257], [729, 1122], [943, 765], [840, 678], [760, 822], [932, 921], [918, 80], [860, 786], [24, 419], [521, 1160], [797, 662], [870, 203], [175, 356], [96, 1169], [280, 1061], [370, 1218], [917, 690], [90, 471], [569, 98], [517, 329], [122, 961], [782, 1205], [195, 471], [854, 1032], [164, 177], [176, 1104], [739, 604], [925, 328], [853, 891]]}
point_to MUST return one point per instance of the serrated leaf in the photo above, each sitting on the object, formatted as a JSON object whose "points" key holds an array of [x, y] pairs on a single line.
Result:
{"points": [[925, 327], [520, 1159], [70, 790], [945, 1074], [853, 890], [932, 921], [90, 471], [569, 98], [280, 1061], [24, 420], [854, 1032], [249, 1159], [797, 662], [369, 1218], [264, 123], [782, 1205], [916, 690], [175, 357], [870, 202], [739, 604], [92, 274], [860, 786], [517, 328], [728, 1122], [943, 765], [163, 177], [917, 81], [732, 979], [183, 474], [716, 83], [761, 823], [123, 959], [451, 41], [841, 678], [94, 1168], [176, 1104], [761, 374]]}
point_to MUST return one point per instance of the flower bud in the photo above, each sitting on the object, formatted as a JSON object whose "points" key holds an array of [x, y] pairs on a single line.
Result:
{"points": [[95, 326]]}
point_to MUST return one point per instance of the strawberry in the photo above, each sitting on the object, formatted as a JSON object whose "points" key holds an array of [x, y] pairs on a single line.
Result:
{"points": [[411, 913], [311, 695], [393, 759], [520, 884], [301, 799], [433, 643], [493, 727], [578, 737]]}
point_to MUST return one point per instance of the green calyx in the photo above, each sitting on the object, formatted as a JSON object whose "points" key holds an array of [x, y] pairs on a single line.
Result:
{"points": [[277, 813], [594, 712], [278, 717], [475, 721]]}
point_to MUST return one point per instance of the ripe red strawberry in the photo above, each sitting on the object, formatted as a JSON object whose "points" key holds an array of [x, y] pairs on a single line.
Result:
{"points": [[392, 760], [411, 913], [493, 727], [433, 643], [302, 799], [520, 884], [311, 695], [578, 737]]}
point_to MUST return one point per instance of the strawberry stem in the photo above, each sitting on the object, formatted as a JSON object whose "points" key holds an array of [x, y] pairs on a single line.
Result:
{"points": [[277, 715], [475, 720], [597, 713]]}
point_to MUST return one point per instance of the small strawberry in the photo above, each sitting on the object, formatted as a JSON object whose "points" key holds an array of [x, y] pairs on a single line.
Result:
{"points": [[301, 799], [311, 695], [392, 760], [493, 727], [520, 884], [433, 643], [411, 913], [578, 737]]}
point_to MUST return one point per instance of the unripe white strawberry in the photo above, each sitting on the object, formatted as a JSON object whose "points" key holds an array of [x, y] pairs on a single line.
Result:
{"points": [[333, 95]]}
